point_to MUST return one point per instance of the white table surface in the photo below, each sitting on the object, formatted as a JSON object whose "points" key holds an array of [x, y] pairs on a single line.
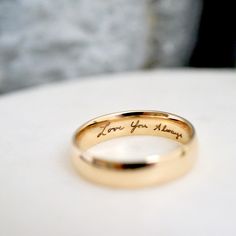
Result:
{"points": [[41, 193]]}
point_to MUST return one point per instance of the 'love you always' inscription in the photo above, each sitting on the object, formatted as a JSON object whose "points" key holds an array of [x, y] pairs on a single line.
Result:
{"points": [[134, 125]]}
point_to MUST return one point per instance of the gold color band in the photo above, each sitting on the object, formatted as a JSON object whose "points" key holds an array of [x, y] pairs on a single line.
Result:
{"points": [[154, 170]]}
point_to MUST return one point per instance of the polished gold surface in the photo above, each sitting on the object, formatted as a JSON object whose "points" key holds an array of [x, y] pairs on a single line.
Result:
{"points": [[154, 170]]}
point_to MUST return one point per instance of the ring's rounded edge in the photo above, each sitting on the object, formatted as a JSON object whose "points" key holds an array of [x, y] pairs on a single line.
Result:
{"points": [[139, 178]]}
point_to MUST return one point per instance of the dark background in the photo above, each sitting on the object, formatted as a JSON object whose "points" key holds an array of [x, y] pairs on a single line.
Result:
{"points": [[216, 44]]}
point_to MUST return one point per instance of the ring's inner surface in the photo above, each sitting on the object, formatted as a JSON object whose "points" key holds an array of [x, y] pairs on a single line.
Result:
{"points": [[106, 128]]}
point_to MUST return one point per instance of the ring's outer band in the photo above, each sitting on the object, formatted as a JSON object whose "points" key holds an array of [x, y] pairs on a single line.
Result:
{"points": [[139, 174]]}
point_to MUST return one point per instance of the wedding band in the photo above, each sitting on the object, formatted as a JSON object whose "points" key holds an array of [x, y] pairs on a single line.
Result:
{"points": [[153, 169]]}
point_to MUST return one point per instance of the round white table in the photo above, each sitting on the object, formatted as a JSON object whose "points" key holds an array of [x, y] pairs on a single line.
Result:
{"points": [[41, 193]]}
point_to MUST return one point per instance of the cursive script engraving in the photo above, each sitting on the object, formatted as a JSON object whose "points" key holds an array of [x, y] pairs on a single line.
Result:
{"points": [[106, 130], [167, 130], [136, 125]]}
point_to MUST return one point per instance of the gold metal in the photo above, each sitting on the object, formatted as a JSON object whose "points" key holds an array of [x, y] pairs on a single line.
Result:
{"points": [[154, 170]]}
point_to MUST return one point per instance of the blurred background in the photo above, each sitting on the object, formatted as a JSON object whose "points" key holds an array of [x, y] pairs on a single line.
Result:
{"points": [[43, 41]]}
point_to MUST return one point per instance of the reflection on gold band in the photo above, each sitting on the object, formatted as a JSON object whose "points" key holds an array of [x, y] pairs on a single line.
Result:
{"points": [[153, 170]]}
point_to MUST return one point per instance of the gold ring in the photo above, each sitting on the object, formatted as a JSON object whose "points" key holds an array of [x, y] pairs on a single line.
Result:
{"points": [[150, 171]]}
